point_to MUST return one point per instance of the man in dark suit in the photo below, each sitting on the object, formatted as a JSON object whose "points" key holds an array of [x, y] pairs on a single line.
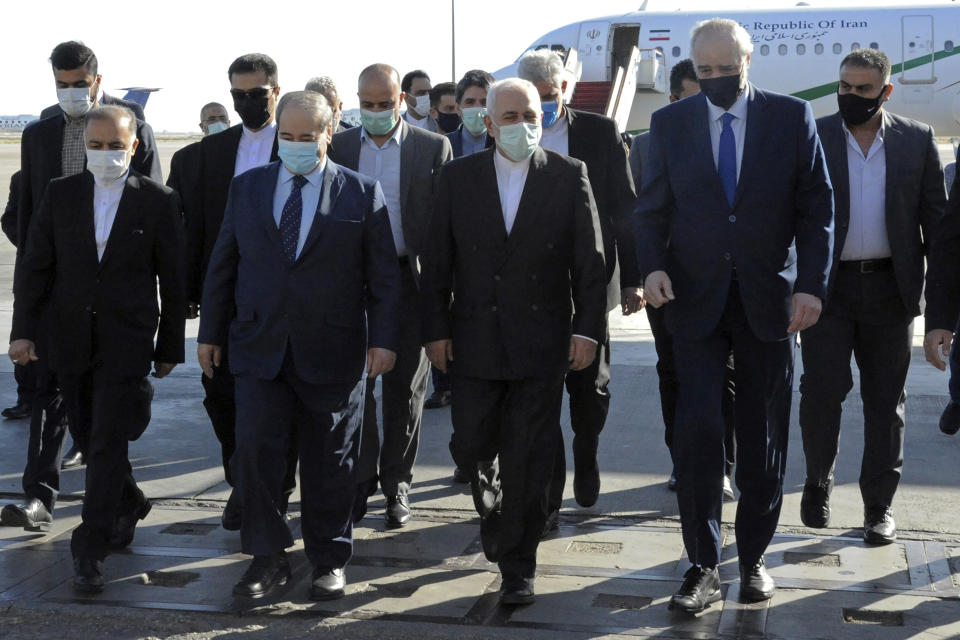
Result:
{"points": [[24, 375], [734, 231], [516, 243], [595, 140], [415, 88], [406, 161], [96, 250], [889, 196], [304, 286], [253, 143], [325, 86]]}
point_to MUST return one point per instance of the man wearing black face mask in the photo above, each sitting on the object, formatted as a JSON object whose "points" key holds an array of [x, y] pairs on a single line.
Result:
{"points": [[443, 107], [889, 195]]}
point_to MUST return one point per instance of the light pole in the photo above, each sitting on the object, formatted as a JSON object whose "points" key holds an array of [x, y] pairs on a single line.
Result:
{"points": [[453, 42]]}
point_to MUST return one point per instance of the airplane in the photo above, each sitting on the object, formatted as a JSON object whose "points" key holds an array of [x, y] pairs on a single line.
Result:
{"points": [[140, 95], [797, 51]]}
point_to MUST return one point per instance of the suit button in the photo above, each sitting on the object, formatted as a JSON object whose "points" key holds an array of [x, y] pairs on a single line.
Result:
{"points": [[726, 257], [534, 307], [732, 218], [493, 308], [549, 245], [533, 277], [88, 308], [497, 278]]}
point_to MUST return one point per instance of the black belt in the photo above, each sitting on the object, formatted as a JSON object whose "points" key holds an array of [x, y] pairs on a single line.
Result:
{"points": [[867, 266]]}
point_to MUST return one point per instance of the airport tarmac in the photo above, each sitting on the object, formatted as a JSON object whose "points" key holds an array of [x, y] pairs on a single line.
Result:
{"points": [[607, 572]]}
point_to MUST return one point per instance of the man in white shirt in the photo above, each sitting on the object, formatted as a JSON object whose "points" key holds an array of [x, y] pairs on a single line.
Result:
{"points": [[416, 87]]}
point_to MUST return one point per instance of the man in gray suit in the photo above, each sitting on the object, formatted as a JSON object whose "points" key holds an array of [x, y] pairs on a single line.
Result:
{"points": [[889, 196], [406, 161]]}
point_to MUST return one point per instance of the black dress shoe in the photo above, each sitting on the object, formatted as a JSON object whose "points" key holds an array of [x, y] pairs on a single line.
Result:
{"points": [[32, 516], [73, 458], [672, 481], [950, 418], [362, 493], [125, 526], [263, 574], [551, 524], [398, 511], [232, 513], [515, 590], [460, 476], [87, 575], [18, 411], [878, 525], [328, 584], [815, 505], [586, 484], [700, 588], [438, 400], [756, 584]]}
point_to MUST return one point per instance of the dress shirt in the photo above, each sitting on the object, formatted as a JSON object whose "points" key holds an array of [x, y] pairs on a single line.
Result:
{"points": [[557, 136], [867, 234], [73, 156], [106, 199], [739, 125], [470, 143], [310, 194], [255, 148], [414, 122], [511, 176], [383, 164]]}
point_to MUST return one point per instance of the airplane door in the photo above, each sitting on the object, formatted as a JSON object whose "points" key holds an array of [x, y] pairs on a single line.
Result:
{"points": [[592, 51], [917, 61]]}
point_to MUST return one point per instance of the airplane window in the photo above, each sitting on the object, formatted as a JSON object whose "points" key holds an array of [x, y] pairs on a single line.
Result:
{"points": [[818, 49], [837, 47], [676, 52], [541, 46], [874, 45], [782, 49], [801, 49], [557, 47], [948, 45], [854, 46], [765, 50]]}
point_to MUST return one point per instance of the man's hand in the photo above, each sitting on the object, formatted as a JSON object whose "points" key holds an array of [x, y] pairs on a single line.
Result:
{"points": [[209, 357], [582, 353], [658, 289], [439, 352], [631, 300], [162, 369], [937, 338], [379, 361], [22, 351], [193, 310], [806, 312]]}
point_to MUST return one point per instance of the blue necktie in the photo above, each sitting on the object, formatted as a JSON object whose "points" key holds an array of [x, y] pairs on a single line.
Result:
{"points": [[290, 220], [727, 160]]}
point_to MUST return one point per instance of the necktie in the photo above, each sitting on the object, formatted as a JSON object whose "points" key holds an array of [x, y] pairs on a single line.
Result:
{"points": [[290, 220], [727, 160]]}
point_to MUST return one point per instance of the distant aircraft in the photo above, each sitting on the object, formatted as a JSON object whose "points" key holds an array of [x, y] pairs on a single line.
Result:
{"points": [[140, 95]]}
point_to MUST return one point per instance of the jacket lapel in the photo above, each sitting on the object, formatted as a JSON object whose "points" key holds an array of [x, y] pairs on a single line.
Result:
{"points": [[53, 161], [834, 142], [263, 204], [125, 222], [488, 197], [752, 140], [332, 182], [408, 156], [536, 185], [574, 141], [87, 230], [703, 148], [894, 153]]}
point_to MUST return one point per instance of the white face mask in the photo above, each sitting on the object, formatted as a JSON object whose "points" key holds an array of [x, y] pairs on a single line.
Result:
{"points": [[75, 101], [423, 106], [107, 165]]}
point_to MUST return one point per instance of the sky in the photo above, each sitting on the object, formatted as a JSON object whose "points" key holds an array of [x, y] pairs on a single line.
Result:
{"points": [[186, 47]]}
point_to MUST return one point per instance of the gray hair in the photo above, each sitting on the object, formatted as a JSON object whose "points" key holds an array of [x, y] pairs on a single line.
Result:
{"points": [[515, 84], [542, 65], [310, 101], [324, 85], [722, 27], [113, 113]]}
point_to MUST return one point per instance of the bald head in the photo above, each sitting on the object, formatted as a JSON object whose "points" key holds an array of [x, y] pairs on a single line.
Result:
{"points": [[379, 90], [379, 71]]}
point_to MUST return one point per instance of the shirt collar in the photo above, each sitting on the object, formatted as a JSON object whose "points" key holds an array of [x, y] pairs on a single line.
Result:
{"points": [[738, 109], [395, 137], [504, 163], [315, 177], [268, 130], [113, 185], [465, 133], [880, 132]]}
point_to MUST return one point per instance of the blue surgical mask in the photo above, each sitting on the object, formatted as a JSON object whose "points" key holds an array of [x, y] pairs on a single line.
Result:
{"points": [[299, 157], [551, 112], [216, 127], [378, 123], [519, 141], [473, 120]]}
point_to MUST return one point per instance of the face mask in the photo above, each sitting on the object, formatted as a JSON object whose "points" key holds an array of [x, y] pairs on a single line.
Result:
{"points": [[378, 123], [448, 121], [423, 106], [107, 165], [856, 110], [519, 141], [722, 91], [550, 113], [216, 127], [75, 101], [253, 111], [299, 157], [473, 120]]}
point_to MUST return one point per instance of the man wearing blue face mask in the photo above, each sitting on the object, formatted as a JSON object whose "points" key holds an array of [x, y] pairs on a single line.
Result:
{"points": [[513, 298]]}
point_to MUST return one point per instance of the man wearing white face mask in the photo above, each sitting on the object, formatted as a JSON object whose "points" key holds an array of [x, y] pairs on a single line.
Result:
{"points": [[96, 251], [416, 87], [513, 289]]}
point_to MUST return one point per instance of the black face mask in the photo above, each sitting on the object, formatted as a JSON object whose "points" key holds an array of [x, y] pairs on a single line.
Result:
{"points": [[253, 111], [722, 91], [856, 109], [448, 121]]}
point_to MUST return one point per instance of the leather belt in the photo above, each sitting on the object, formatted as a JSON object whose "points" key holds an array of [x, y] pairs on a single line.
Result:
{"points": [[867, 266]]}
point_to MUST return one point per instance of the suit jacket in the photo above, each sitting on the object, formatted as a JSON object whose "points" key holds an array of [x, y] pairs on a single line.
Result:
{"points": [[421, 156], [778, 234], [456, 142], [218, 158], [943, 270], [340, 297], [915, 196], [638, 153], [184, 178], [8, 222], [104, 311], [41, 148], [596, 140], [55, 110], [431, 123], [517, 298]]}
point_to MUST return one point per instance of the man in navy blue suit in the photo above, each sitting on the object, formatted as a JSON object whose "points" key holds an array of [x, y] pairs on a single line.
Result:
{"points": [[303, 284], [734, 233]]}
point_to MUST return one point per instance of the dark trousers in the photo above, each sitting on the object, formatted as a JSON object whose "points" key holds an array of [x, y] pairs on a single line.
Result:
{"points": [[101, 405], [325, 419], [589, 405], [865, 318], [26, 377], [517, 423], [764, 378], [441, 380], [667, 377], [402, 391], [954, 360]]}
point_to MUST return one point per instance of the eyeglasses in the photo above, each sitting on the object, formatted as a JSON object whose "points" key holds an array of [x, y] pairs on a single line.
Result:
{"points": [[253, 94]]}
